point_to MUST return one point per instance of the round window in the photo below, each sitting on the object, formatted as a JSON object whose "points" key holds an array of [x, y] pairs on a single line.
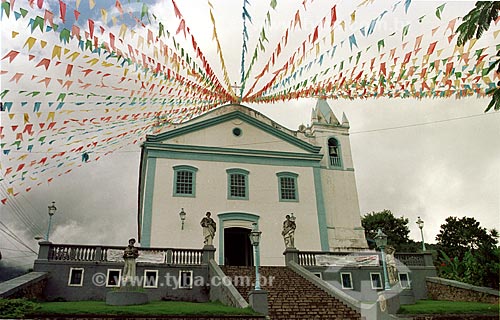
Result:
{"points": [[237, 132]]}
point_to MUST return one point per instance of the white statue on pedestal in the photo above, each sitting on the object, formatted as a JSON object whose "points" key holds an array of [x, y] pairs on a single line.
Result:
{"points": [[129, 255], [209, 226]]}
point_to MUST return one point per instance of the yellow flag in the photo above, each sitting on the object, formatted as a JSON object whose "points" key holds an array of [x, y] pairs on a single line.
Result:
{"points": [[43, 43], [332, 37], [56, 52], [78, 3], [353, 16], [51, 116], [14, 34], [91, 4], [104, 15], [113, 19], [26, 118], [140, 42], [74, 55], [30, 42], [123, 30]]}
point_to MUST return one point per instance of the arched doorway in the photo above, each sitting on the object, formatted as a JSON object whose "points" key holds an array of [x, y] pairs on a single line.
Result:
{"points": [[238, 250], [234, 233]]}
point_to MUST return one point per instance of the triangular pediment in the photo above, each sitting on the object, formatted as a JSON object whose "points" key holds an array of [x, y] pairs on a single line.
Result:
{"points": [[235, 130]]}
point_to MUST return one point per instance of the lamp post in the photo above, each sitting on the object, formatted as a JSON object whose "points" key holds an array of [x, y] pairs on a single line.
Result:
{"points": [[255, 239], [381, 241], [182, 215], [420, 224], [52, 210]]}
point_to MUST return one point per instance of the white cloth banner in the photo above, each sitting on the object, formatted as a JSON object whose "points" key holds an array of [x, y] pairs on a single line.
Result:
{"points": [[351, 260], [116, 255]]}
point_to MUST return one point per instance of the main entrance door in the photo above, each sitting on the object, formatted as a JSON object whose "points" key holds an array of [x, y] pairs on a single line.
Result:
{"points": [[237, 247]]}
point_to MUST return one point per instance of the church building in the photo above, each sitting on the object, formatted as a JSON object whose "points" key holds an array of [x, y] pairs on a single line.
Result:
{"points": [[245, 168]]}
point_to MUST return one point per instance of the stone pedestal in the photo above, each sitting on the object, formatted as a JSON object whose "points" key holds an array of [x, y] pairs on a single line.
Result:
{"points": [[126, 296], [291, 254], [388, 301], [43, 251], [258, 301], [208, 253]]}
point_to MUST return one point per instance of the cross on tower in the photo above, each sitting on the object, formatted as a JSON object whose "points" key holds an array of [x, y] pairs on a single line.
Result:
{"points": [[236, 89]]}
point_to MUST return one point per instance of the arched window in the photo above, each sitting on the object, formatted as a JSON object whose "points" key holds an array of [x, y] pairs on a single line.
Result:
{"points": [[237, 184], [184, 181], [334, 153]]}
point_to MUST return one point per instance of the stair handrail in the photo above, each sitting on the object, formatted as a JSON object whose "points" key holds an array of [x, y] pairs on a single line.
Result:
{"points": [[233, 294]]}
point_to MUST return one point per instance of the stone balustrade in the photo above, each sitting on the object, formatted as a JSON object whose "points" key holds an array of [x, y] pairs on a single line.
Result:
{"points": [[88, 253], [309, 258]]}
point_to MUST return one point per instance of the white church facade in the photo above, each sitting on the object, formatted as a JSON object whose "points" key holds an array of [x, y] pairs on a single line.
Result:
{"points": [[245, 168]]}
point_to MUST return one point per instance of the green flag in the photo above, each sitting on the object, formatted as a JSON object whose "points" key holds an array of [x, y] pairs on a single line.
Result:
{"points": [[439, 10]]}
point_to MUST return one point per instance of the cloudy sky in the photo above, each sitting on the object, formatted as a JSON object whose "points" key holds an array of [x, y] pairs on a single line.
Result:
{"points": [[431, 158]]}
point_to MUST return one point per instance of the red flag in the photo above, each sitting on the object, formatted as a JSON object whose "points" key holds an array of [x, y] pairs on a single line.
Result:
{"points": [[44, 62], [39, 4], [176, 10], [62, 9], [334, 15], [91, 28], [382, 69], [407, 58], [315, 35], [297, 20], [118, 6], [432, 46], [182, 26], [12, 55]]}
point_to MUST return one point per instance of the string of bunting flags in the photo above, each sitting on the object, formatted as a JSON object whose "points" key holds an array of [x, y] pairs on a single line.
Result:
{"points": [[85, 79]]}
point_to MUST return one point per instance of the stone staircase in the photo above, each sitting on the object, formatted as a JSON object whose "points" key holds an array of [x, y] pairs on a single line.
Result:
{"points": [[289, 295]]}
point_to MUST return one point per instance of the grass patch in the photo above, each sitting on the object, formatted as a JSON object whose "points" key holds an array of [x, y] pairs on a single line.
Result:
{"points": [[154, 308], [449, 307]]}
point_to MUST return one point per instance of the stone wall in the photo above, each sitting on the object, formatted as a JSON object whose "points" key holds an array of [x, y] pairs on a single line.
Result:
{"points": [[29, 286], [455, 317], [444, 289], [194, 317]]}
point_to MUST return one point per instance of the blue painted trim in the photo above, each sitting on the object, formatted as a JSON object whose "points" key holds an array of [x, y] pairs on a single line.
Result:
{"points": [[190, 153], [229, 216], [294, 176], [140, 200], [245, 174], [188, 128], [249, 152], [187, 168], [148, 203], [320, 205]]}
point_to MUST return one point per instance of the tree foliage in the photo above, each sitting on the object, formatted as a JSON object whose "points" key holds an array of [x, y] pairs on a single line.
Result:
{"points": [[458, 236], [396, 229], [473, 25], [468, 252]]}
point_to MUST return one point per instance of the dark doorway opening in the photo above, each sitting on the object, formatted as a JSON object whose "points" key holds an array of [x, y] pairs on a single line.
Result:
{"points": [[238, 250]]}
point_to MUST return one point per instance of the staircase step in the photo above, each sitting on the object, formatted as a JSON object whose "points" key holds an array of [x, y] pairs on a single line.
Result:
{"points": [[289, 295]]}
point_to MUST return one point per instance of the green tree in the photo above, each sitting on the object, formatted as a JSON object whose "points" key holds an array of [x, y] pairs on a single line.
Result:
{"points": [[458, 236], [473, 25], [468, 252], [396, 229]]}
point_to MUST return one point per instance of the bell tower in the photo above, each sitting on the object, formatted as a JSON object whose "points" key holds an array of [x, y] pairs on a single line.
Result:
{"points": [[338, 181]]}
